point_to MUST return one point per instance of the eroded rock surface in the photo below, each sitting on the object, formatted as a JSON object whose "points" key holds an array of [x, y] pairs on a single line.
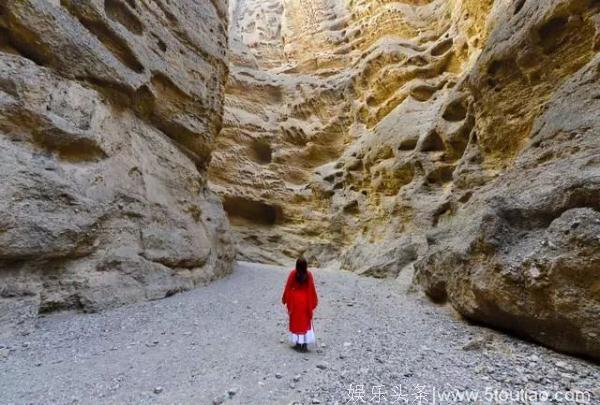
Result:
{"points": [[459, 138], [330, 121], [108, 113]]}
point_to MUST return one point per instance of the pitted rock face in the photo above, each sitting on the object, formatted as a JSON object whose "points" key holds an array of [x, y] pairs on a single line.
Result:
{"points": [[451, 137], [108, 112], [317, 93]]}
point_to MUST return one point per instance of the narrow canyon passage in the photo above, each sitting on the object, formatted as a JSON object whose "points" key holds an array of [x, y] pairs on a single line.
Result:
{"points": [[458, 138], [450, 147], [197, 346]]}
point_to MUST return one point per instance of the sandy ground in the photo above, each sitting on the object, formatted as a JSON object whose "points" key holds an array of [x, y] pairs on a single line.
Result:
{"points": [[226, 343]]}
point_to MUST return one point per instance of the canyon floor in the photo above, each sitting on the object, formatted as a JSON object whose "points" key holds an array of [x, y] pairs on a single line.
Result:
{"points": [[225, 343]]}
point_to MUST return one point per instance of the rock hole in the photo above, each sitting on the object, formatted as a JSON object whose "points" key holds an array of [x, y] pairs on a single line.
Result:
{"points": [[329, 178], [432, 143], [408, 144], [70, 147], [144, 102], [466, 197], [423, 93], [495, 67], [241, 211], [519, 5], [261, 152], [161, 45], [21, 47], [456, 111], [441, 174], [352, 207], [552, 34], [442, 47], [444, 210], [117, 11]]}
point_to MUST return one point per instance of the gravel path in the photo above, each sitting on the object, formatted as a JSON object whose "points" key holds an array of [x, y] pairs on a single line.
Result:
{"points": [[224, 343]]}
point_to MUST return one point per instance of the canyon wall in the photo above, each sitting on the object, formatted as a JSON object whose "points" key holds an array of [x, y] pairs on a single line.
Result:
{"points": [[330, 121], [456, 139], [108, 113]]}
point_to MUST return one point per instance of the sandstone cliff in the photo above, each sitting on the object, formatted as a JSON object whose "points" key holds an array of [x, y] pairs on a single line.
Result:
{"points": [[108, 113], [330, 120], [458, 138]]}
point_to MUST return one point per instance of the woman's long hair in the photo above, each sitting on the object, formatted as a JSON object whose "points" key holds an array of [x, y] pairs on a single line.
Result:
{"points": [[301, 270]]}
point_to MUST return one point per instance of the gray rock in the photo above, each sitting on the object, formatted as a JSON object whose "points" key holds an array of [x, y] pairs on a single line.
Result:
{"points": [[4, 353], [114, 189], [220, 399], [322, 365]]}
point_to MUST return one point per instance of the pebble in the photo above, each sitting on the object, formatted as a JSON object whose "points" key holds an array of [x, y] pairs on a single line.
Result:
{"points": [[231, 392], [475, 344], [220, 399], [564, 365], [158, 390], [278, 375], [322, 365], [296, 378]]}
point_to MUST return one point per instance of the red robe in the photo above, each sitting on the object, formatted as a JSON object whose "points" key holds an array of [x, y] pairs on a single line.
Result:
{"points": [[301, 300]]}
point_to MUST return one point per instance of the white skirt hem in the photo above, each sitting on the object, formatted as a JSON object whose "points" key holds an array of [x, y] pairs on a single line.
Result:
{"points": [[307, 338]]}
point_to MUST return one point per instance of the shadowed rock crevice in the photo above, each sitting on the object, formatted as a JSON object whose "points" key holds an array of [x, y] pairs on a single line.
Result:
{"points": [[242, 210], [118, 11], [111, 40], [261, 152]]}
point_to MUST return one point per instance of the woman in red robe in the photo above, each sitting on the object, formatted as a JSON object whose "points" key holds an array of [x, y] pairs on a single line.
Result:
{"points": [[300, 297]]}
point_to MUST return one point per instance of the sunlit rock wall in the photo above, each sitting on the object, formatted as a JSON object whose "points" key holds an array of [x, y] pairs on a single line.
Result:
{"points": [[458, 138], [108, 113], [309, 154]]}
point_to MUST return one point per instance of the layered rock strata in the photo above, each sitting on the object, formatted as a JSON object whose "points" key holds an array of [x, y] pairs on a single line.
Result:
{"points": [[108, 113]]}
